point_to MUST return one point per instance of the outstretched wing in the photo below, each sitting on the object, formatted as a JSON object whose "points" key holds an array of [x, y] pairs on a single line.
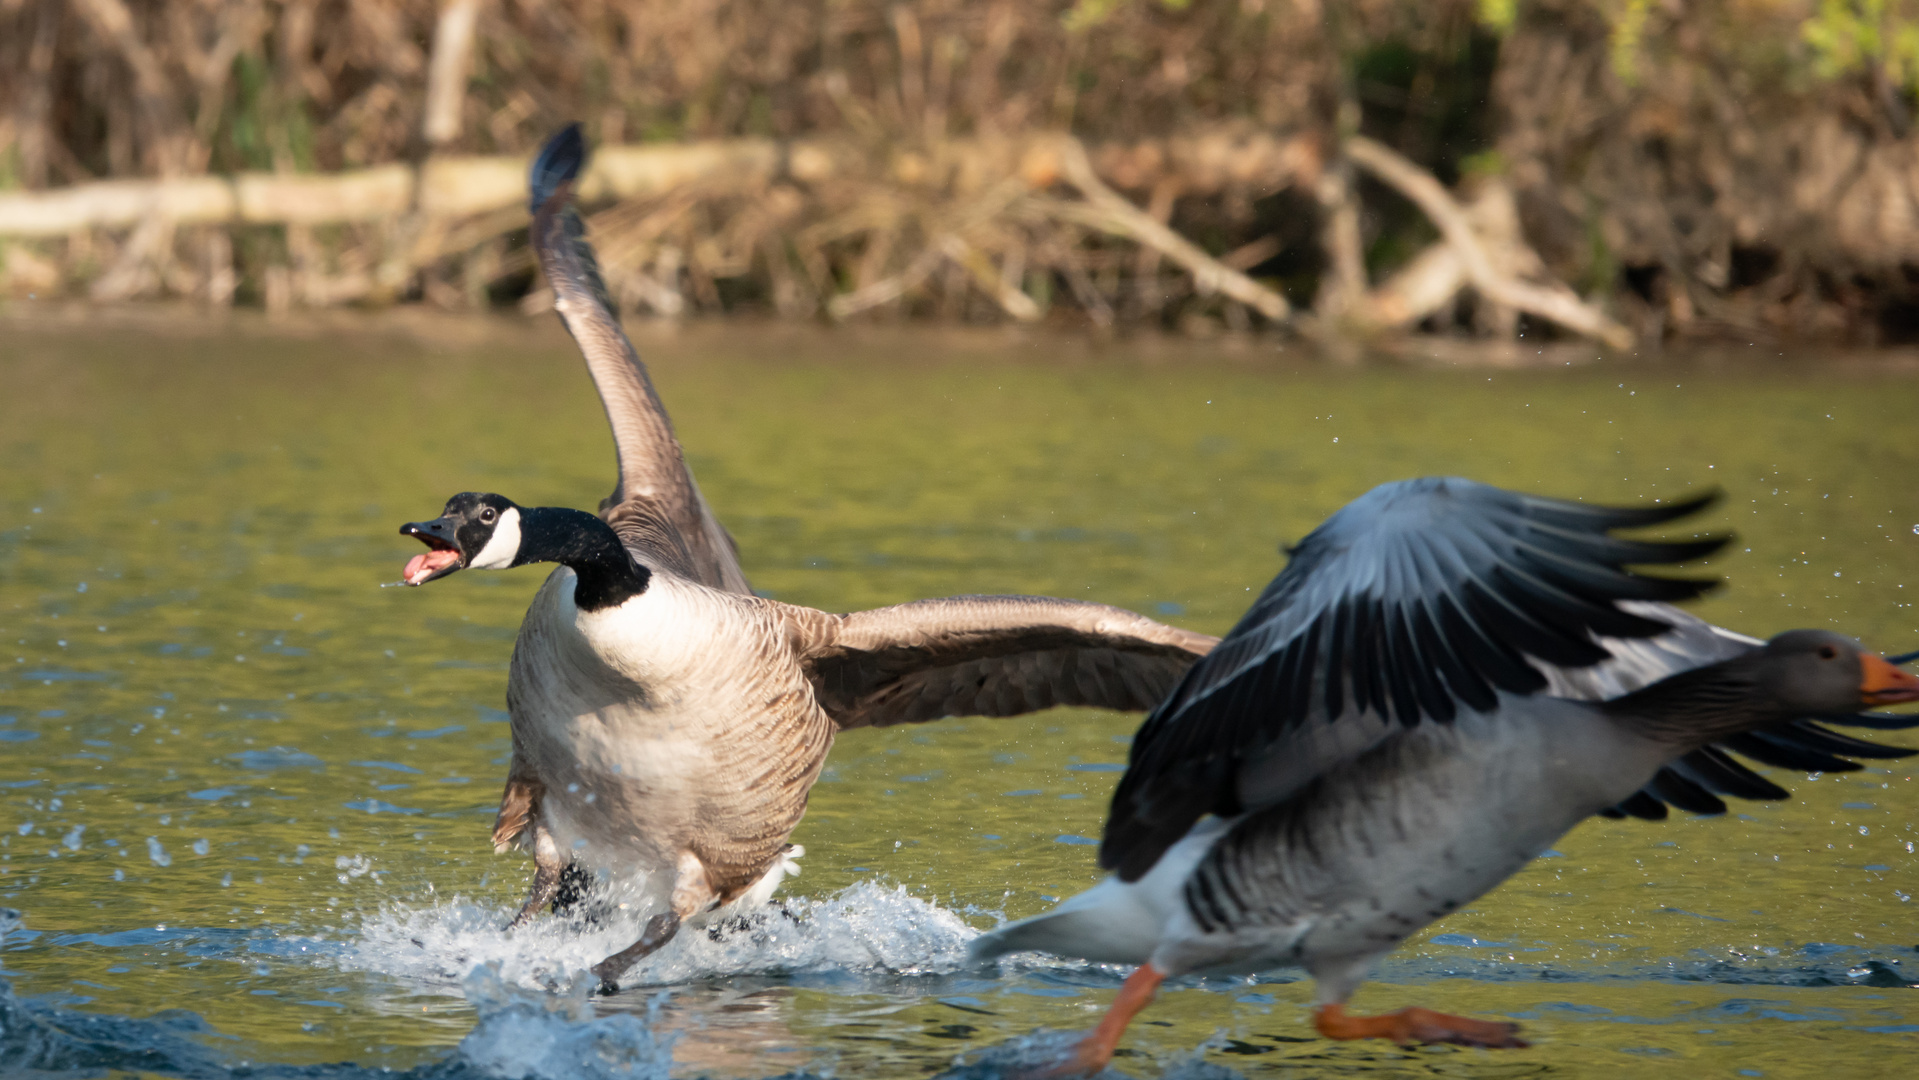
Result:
{"points": [[1416, 600], [987, 656], [656, 508]]}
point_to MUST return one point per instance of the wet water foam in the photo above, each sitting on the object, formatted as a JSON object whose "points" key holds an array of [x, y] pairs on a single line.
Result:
{"points": [[865, 928]]}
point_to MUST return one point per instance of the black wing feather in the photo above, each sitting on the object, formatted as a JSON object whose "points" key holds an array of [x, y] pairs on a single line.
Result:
{"points": [[1670, 787], [1781, 750], [1642, 806], [1712, 769]]}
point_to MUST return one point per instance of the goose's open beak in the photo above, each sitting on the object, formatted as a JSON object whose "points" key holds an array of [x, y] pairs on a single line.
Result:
{"points": [[443, 556], [1883, 684]]}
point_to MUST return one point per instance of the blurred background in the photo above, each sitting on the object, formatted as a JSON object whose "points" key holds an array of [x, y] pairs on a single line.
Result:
{"points": [[1627, 170]]}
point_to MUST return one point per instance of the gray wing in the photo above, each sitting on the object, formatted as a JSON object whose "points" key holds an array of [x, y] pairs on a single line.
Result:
{"points": [[988, 656], [1635, 663], [1416, 600], [656, 508]]}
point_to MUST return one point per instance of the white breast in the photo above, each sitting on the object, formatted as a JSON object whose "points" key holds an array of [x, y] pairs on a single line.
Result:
{"points": [[621, 712]]}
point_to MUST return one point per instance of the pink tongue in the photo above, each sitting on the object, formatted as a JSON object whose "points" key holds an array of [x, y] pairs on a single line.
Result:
{"points": [[422, 566]]}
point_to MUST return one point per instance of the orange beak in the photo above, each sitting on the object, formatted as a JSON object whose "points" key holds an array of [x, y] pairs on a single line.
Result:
{"points": [[1881, 683]]}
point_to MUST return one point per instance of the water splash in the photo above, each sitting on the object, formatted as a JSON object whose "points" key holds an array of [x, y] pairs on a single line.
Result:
{"points": [[517, 1035], [522, 1036], [865, 927]]}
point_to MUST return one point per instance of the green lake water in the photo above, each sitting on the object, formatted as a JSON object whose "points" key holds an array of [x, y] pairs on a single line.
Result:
{"points": [[245, 791]]}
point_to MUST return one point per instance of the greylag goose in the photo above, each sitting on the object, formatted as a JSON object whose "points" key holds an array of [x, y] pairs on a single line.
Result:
{"points": [[1382, 739], [668, 724]]}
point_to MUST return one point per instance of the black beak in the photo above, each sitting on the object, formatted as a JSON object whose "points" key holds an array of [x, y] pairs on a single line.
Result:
{"points": [[436, 534], [442, 559]]}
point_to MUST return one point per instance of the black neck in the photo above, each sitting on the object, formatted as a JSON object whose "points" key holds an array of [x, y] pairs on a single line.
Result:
{"points": [[1697, 707], [608, 576]]}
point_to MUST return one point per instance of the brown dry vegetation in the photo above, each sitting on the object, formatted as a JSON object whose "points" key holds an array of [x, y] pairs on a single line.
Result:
{"points": [[1720, 186], [1691, 167]]}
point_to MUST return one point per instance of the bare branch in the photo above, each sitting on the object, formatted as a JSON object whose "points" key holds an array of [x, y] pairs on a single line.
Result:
{"points": [[1555, 301], [446, 72], [1117, 215]]}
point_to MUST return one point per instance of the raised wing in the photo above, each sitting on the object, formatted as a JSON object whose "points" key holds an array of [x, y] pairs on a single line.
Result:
{"points": [[988, 656], [1416, 600], [656, 508]]}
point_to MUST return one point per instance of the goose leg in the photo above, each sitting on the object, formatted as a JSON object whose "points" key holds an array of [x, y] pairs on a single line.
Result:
{"points": [[659, 930], [1096, 1050], [1417, 1025], [548, 868], [692, 894]]}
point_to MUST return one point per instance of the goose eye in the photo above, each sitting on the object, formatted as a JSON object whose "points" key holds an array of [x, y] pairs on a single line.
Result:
{"points": [[487, 515], [1827, 652]]}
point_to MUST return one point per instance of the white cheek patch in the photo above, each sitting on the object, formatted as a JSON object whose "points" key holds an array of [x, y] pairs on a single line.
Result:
{"points": [[503, 546]]}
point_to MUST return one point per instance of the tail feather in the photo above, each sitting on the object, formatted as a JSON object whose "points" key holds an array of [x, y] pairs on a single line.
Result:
{"points": [[1089, 931], [1116, 921]]}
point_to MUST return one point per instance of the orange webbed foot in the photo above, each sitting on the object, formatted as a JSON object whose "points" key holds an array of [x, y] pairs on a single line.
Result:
{"points": [[1090, 1055], [1417, 1025]]}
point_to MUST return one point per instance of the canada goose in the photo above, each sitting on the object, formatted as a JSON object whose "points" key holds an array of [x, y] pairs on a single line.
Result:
{"points": [[664, 726], [1370, 748], [668, 723]]}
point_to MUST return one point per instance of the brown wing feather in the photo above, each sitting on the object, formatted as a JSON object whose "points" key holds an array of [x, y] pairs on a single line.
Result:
{"points": [[656, 507], [988, 656], [518, 803]]}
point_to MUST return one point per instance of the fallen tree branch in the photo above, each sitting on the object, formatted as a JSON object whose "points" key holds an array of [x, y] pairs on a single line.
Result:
{"points": [[455, 186], [887, 289], [1554, 302], [950, 245], [449, 187], [1432, 279], [989, 279], [1115, 214]]}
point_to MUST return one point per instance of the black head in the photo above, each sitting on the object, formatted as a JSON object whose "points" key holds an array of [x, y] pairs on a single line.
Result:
{"points": [[1817, 671], [477, 530]]}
